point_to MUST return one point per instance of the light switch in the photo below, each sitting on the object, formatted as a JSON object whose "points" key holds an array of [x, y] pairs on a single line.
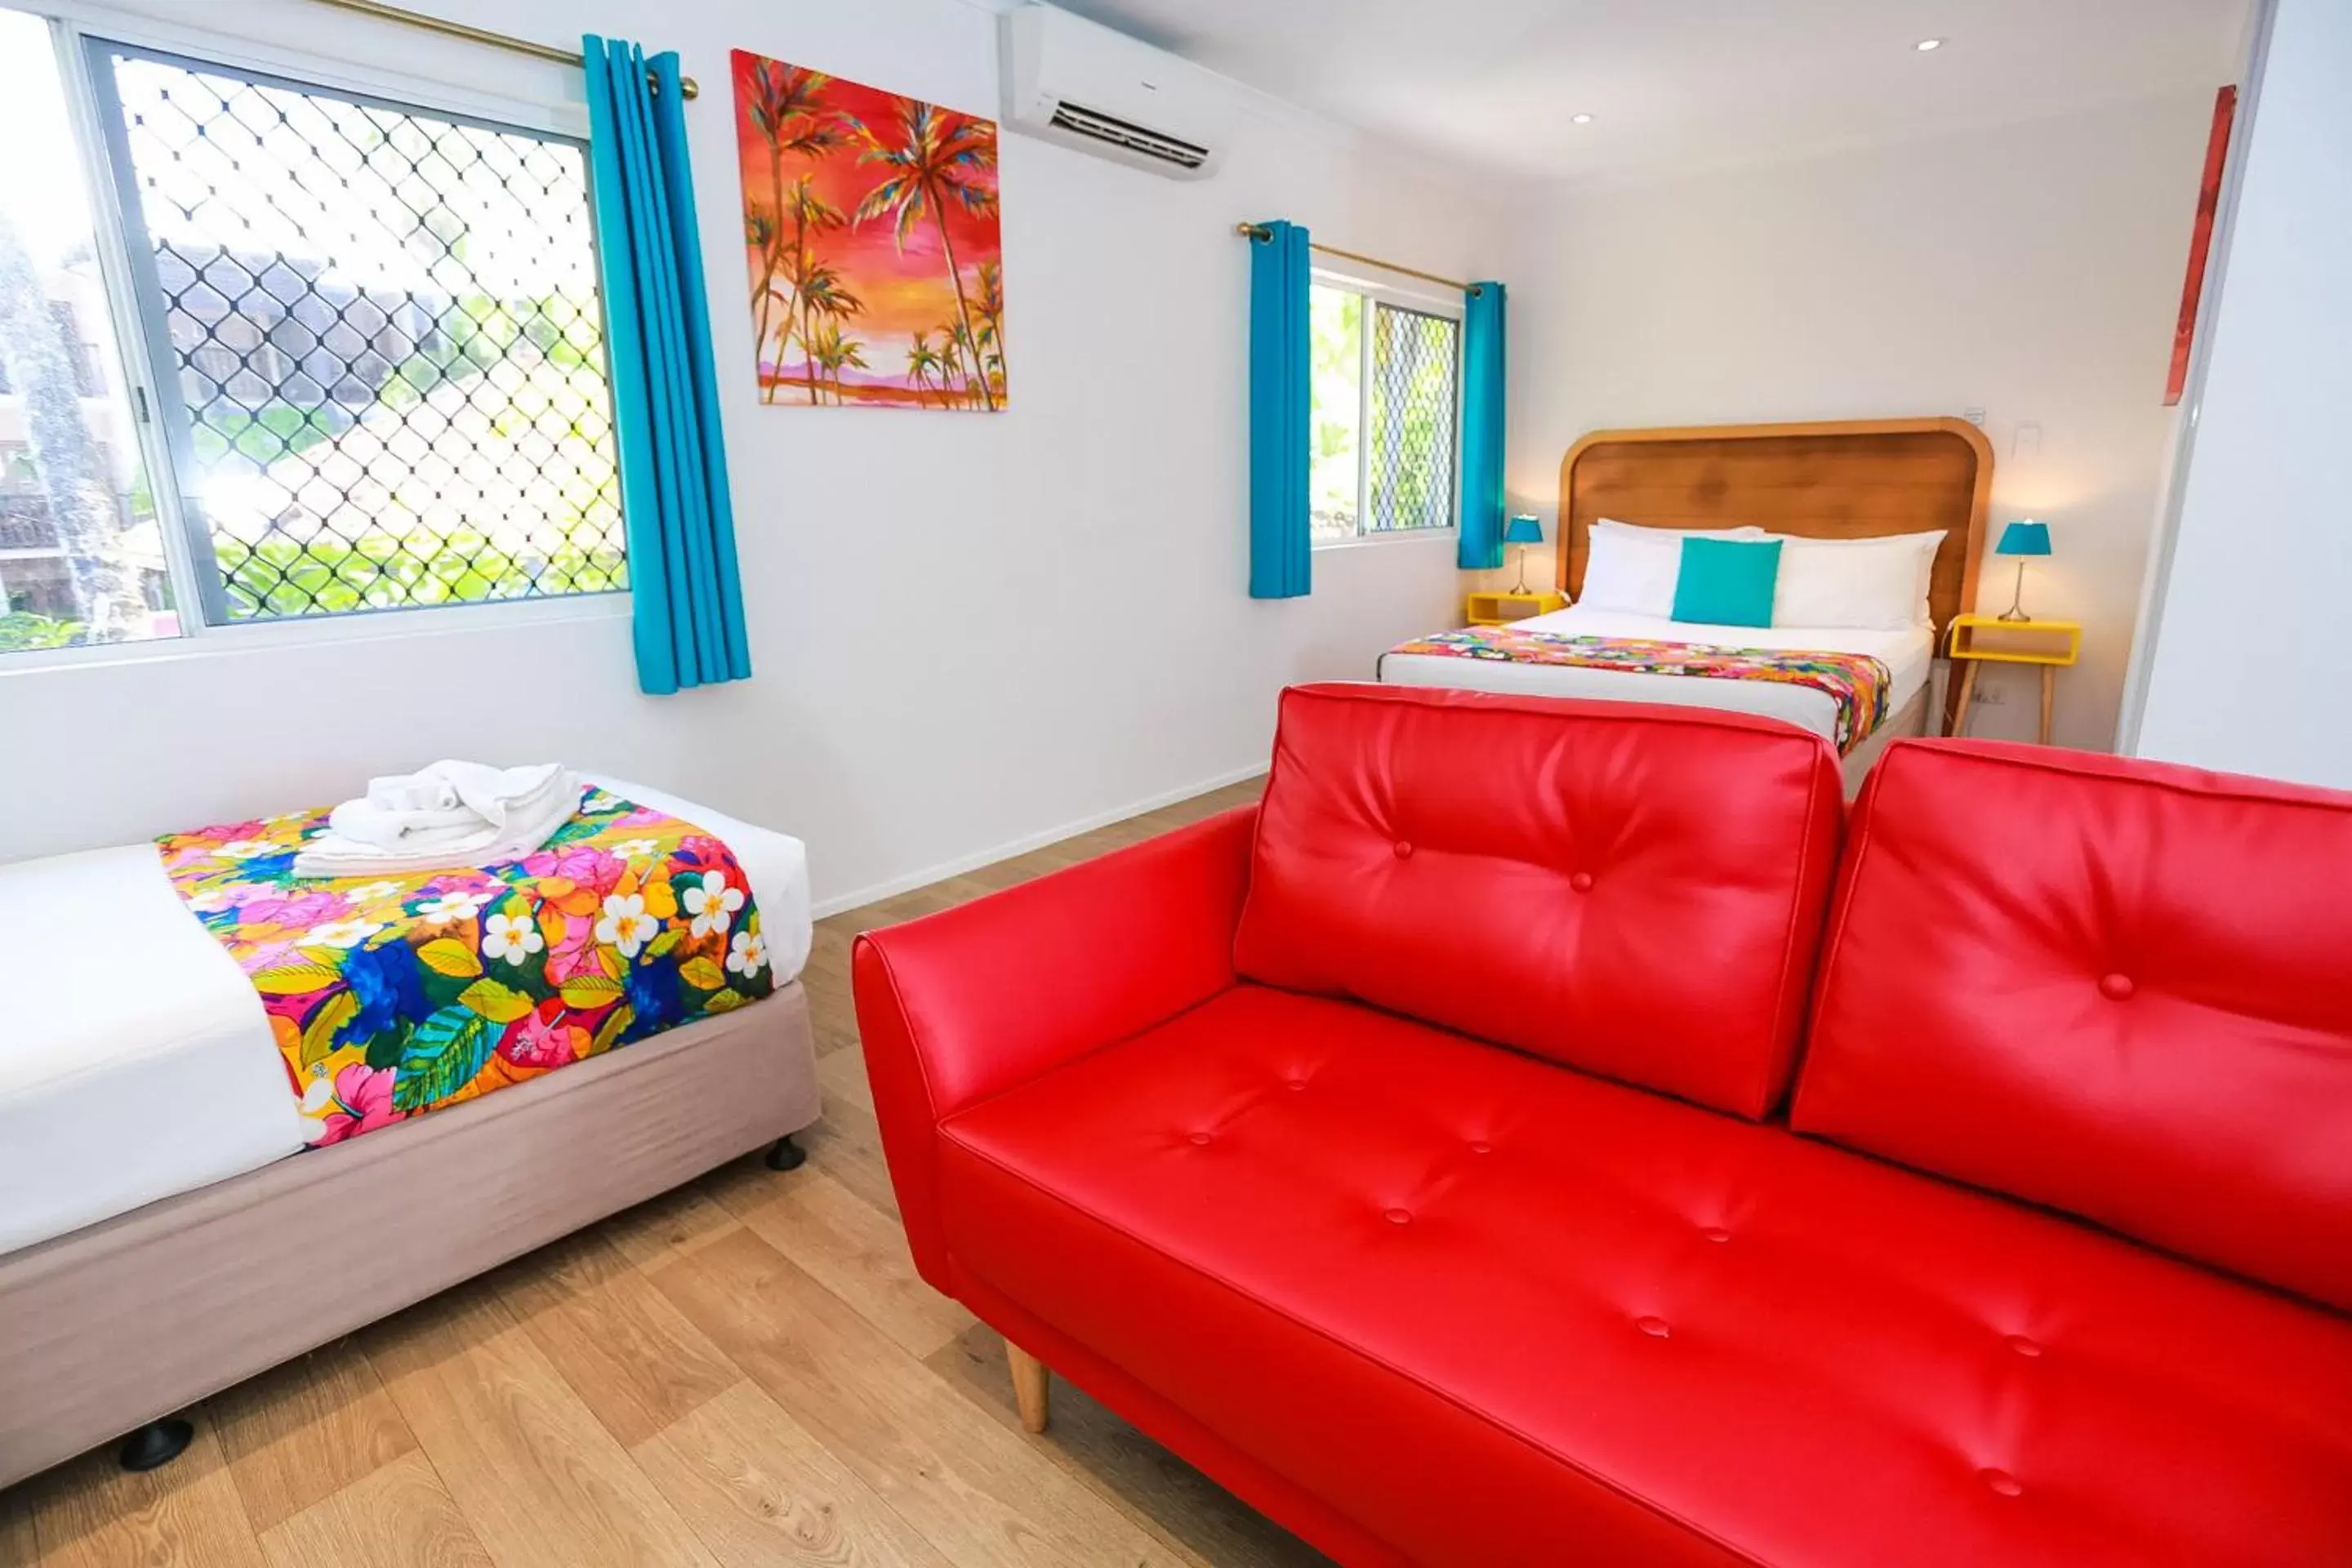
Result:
{"points": [[2029, 441], [1974, 416]]}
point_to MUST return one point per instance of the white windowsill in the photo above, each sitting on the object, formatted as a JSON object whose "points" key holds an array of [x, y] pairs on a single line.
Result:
{"points": [[1393, 536], [383, 625]]}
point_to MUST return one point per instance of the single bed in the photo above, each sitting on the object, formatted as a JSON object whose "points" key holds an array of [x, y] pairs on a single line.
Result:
{"points": [[158, 1244], [1836, 481]]}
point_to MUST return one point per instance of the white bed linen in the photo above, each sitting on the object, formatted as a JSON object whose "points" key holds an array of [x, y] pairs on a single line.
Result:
{"points": [[1908, 654], [135, 1062], [134, 1059]]}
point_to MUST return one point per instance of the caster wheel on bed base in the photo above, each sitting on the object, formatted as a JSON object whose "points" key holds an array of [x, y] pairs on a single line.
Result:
{"points": [[786, 1156], [155, 1445]]}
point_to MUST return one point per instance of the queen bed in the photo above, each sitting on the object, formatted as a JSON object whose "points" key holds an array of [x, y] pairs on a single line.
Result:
{"points": [[163, 1231], [1877, 481]]}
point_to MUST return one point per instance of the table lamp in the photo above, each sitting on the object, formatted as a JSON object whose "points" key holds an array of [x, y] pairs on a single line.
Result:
{"points": [[1523, 530], [2022, 538]]}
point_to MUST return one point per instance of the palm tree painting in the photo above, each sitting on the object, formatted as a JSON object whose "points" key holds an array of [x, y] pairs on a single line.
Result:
{"points": [[923, 365], [871, 238]]}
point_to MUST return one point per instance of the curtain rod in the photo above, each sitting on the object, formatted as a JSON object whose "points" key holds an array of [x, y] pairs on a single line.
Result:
{"points": [[473, 35], [1259, 231]]}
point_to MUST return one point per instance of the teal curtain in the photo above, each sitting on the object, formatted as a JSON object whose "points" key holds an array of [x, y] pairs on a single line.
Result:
{"points": [[1480, 545], [1279, 405], [687, 594]]}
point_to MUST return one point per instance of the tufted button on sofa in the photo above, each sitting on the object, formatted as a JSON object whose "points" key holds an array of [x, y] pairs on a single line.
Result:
{"points": [[1549, 1131]]}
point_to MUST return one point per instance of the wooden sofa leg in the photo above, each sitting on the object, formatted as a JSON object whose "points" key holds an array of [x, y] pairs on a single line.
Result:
{"points": [[1030, 1382]]}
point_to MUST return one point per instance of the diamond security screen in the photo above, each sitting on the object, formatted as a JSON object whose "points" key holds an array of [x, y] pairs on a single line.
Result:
{"points": [[386, 338], [1411, 459]]}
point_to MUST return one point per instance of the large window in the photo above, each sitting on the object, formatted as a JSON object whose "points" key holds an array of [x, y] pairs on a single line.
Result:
{"points": [[349, 356], [1386, 391]]}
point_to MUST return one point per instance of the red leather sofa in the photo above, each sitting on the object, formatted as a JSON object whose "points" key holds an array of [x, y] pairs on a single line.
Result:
{"points": [[1550, 1132]]}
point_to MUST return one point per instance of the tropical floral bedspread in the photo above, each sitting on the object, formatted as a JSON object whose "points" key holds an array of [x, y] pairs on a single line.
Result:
{"points": [[394, 995], [1856, 682]]}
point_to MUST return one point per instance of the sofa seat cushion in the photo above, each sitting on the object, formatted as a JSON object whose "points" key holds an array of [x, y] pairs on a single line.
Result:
{"points": [[1497, 1310]]}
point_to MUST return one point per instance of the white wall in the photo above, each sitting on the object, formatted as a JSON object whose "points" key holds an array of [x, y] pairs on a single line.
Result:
{"points": [[2033, 271], [969, 632], [2248, 664]]}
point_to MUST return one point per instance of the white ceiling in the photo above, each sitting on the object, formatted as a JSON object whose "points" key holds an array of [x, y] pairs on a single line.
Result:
{"points": [[1675, 85]]}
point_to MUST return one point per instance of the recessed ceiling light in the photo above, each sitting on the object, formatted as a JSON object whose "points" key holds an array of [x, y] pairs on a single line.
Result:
{"points": [[1926, 45], [1580, 120]]}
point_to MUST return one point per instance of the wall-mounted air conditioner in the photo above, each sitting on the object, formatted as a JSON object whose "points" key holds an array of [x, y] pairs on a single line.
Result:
{"points": [[1070, 80]]}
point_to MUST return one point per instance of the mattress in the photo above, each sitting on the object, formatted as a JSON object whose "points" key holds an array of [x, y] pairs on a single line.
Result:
{"points": [[1909, 656], [135, 1062]]}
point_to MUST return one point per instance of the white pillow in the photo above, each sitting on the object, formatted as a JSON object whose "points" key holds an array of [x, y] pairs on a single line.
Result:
{"points": [[1632, 568], [1926, 543], [1874, 585]]}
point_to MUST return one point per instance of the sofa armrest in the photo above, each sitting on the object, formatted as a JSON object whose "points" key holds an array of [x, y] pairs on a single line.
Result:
{"points": [[959, 1006]]}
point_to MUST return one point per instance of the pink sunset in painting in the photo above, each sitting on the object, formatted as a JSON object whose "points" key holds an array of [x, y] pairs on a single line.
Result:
{"points": [[870, 232]]}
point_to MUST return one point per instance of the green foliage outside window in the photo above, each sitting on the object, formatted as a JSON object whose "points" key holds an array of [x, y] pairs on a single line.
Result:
{"points": [[1397, 432]]}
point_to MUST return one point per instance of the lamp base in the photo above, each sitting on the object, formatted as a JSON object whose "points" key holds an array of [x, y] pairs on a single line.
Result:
{"points": [[1523, 570], [2016, 610]]}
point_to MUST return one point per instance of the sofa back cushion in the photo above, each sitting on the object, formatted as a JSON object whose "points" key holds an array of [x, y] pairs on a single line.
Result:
{"points": [[1634, 890], [2121, 989]]}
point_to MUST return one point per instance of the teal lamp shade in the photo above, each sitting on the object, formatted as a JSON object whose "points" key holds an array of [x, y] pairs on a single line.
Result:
{"points": [[1523, 530], [2024, 538]]}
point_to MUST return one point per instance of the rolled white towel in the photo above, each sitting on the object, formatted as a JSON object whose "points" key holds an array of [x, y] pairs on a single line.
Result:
{"points": [[503, 794], [411, 792], [502, 815], [365, 822]]}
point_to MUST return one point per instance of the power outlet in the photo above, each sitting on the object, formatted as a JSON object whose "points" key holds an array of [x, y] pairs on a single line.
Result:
{"points": [[1990, 694]]}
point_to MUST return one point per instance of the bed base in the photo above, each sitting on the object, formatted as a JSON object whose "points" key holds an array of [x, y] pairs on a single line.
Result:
{"points": [[261, 1267]]}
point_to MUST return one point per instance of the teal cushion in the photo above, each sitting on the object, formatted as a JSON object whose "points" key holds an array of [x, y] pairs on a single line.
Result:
{"points": [[1727, 582]]}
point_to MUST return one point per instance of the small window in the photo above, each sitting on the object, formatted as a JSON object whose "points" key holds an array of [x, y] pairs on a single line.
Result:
{"points": [[1384, 423], [356, 362], [19, 476], [384, 330], [79, 531]]}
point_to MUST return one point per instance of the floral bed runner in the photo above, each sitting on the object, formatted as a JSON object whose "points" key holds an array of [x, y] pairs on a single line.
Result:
{"points": [[394, 995], [1855, 681]]}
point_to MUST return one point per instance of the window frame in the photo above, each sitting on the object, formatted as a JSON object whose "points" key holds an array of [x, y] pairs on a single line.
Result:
{"points": [[526, 102], [1423, 301]]}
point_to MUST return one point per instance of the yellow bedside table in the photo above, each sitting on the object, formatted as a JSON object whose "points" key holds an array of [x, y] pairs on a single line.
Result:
{"points": [[2043, 647], [1495, 610]]}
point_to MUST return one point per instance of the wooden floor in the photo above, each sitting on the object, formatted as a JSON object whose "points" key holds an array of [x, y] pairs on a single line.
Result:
{"points": [[744, 1372]]}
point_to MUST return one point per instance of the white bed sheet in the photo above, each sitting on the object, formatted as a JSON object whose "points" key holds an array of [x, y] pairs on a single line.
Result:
{"points": [[1908, 654], [134, 1059], [135, 1062]]}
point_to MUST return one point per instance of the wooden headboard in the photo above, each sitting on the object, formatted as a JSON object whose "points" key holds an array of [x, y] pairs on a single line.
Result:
{"points": [[1838, 480]]}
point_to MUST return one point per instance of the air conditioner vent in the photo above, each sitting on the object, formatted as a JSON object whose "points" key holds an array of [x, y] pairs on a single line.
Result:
{"points": [[1098, 126], [1077, 82]]}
